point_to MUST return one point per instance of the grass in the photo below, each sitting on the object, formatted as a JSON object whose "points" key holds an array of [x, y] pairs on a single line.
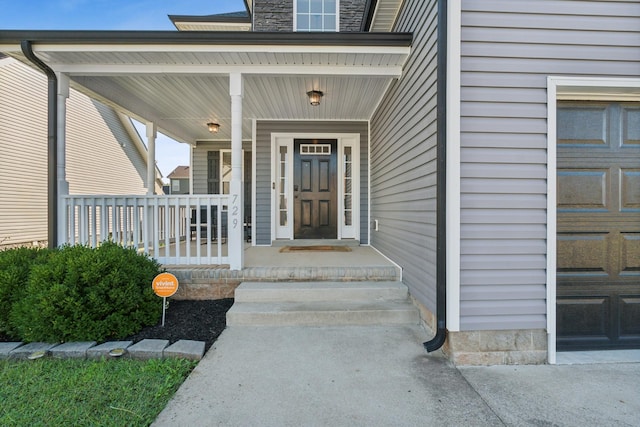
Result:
{"points": [[120, 392]]}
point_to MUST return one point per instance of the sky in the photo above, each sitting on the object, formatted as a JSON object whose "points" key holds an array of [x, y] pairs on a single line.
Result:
{"points": [[114, 15]]}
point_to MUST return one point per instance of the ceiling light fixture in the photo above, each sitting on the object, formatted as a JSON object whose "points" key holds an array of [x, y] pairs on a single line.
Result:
{"points": [[314, 97], [213, 127]]}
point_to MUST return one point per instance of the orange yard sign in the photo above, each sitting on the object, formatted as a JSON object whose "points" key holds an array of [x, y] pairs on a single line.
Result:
{"points": [[165, 285]]}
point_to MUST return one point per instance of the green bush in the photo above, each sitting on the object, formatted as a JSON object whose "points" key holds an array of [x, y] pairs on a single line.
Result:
{"points": [[82, 294], [15, 265]]}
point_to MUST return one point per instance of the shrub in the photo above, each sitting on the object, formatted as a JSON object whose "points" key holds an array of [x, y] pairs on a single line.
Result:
{"points": [[83, 294], [15, 265]]}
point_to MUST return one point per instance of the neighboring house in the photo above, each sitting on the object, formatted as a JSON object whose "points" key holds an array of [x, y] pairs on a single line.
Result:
{"points": [[179, 180], [104, 153], [492, 151]]}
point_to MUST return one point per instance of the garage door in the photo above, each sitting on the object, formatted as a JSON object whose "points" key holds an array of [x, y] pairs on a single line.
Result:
{"points": [[598, 258]]}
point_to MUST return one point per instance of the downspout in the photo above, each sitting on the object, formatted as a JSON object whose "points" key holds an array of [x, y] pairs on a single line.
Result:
{"points": [[441, 203], [52, 145]]}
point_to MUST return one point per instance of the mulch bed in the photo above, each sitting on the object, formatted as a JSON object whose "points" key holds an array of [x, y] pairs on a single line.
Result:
{"points": [[186, 320]]}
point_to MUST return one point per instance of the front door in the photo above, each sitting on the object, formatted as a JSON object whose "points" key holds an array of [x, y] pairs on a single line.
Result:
{"points": [[598, 257], [315, 189]]}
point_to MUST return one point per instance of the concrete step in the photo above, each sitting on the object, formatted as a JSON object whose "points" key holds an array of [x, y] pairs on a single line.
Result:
{"points": [[322, 313], [322, 304], [320, 291]]}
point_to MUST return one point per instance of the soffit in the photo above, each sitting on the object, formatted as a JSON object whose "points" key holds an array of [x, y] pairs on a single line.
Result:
{"points": [[183, 86], [385, 15]]}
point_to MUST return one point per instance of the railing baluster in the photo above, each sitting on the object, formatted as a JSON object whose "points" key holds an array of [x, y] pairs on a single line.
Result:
{"points": [[145, 222]]}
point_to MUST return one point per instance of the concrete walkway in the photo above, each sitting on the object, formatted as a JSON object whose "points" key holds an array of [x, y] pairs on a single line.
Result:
{"points": [[381, 376]]}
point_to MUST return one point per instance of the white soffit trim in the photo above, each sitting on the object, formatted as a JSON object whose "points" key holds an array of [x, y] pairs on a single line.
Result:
{"points": [[385, 15], [127, 69], [570, 88]]}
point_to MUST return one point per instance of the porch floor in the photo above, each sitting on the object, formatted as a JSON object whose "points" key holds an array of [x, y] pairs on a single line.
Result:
{"points": [[268, 264]]}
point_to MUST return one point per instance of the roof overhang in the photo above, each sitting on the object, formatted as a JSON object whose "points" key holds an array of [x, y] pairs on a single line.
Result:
{"points": [[381, 15], [238, 21], [180, 81]]}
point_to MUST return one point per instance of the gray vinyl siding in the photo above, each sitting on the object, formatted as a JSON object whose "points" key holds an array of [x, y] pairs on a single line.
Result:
{"points": [[101, 157], [263, 168], [403, 158], [508, 50]]}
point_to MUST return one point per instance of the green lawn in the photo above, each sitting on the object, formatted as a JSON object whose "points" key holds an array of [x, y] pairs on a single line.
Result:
{"points": [[123, 392]]}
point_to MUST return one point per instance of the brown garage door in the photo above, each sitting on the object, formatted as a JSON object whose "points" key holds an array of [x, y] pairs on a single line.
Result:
{"points": [[598, 276]]}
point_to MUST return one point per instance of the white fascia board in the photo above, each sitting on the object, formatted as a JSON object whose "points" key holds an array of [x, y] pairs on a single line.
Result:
{"points": [[127, 69]]}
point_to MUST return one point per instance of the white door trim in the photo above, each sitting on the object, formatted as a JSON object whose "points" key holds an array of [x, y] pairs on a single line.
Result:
{"points": [[570, 88], [344, 140]]}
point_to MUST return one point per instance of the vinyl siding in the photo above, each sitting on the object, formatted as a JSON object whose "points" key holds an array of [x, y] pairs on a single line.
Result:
{"points": [[263, 168], [508, 50], [403, 158], [101, 157]]}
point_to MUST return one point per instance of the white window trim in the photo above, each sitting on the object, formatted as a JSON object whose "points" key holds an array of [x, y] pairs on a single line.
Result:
{"points": [[221, 160], [570, 88], [344, 139], [295, 18]]}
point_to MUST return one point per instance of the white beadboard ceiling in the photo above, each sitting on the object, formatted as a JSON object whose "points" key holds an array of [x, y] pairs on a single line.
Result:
{"points": [[182, 88]]}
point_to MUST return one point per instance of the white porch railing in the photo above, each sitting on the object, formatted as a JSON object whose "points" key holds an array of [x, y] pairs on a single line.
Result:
{"points": [[176, 230]]}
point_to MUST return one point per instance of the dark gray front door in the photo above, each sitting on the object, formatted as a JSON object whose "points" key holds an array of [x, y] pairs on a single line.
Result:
{"points": [[598, 259], [315, 189]]}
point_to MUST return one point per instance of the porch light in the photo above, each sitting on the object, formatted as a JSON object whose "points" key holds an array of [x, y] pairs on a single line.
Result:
{"points": [[213, 127], [314, 97]]}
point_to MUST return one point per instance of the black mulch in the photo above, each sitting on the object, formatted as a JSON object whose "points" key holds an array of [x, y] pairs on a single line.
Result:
{"points": [[186, 320], [189, 320]]}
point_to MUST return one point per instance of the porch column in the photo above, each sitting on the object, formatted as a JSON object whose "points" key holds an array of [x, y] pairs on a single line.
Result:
{"points": [[151, 179], [236, 222], [61, 163], [152, 132]]}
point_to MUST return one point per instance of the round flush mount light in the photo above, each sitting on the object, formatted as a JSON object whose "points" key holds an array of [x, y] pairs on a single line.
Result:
{"points": [[314, 97]]}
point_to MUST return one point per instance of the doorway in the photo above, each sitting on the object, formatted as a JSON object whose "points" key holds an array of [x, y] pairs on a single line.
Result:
{"points": [[315, 189], [316, 186]]}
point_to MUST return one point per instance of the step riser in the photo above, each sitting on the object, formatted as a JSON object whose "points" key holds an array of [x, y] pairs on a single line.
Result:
{"points": [[310, 295], [337, 318]]}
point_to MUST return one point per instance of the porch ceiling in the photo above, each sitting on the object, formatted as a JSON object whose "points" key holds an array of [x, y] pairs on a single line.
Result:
{"points": [[184, 84]]}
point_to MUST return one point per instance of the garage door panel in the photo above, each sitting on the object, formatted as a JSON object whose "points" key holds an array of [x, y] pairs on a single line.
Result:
{"points": [[582, 253], [631, 126], [583, 316], [584, 189], [629, 317], [583, 125], [630, 190], [630, 254]]}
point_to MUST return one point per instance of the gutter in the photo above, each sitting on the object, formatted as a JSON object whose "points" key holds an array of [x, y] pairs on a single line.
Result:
{"points": [[441, 204], [52, 143], [213, 38]]}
